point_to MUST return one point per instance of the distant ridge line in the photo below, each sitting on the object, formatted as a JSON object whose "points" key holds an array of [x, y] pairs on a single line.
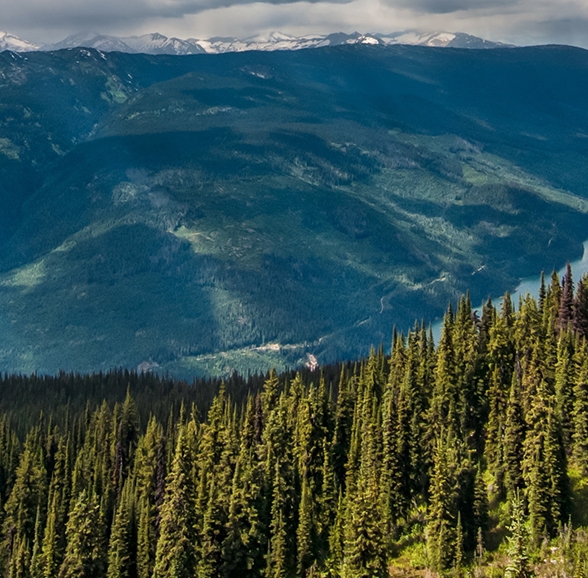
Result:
{"points": [[155, 43]]}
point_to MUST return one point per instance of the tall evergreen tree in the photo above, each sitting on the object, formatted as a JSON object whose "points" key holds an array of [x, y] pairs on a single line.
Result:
{"points": [[122, 546], [565, 371], [514, 438], [84, 555], [28, 495], [279, 562], [580, 322], [544, 466], [306, 530], [364, 551], [442, 517], [176, 548], [566, 306], [53, 546], [518, 566], [149, 475], [580, 409]]}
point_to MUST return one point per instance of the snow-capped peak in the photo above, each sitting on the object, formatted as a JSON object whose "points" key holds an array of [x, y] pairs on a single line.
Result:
{"points": [[156, 43], [438, 39], [102, 42], [15, 44], [420, 38]]}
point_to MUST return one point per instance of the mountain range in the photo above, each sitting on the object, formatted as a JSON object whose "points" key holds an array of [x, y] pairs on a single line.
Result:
{"points": [[156, 43], [206, 213]]}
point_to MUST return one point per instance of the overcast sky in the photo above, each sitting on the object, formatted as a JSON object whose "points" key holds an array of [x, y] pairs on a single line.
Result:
{"points": [[514, 21]]}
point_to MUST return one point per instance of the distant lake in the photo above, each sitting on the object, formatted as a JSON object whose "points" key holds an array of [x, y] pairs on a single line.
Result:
{"points": [[531, 285]]}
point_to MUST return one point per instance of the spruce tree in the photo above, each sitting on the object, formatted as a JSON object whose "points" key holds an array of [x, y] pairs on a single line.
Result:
{"points": [[149, 475], [84, 555], [544, 466], [445, 404], [212, 535], [564, 385], [327, 501], [580, 409], [395, 410], [277, 557], [336, 539], [344, 411], [36, 566], [270, 393], [122, 546], [176, 548], [514, 438], [125, 440], [53, 546], [305, 532], [459, 547], [244, 546], [566, 306], [27, 496], [442, 512], [581, 309], [146, 539], [518, 566], [480, 507], [20, 559], [364, 553]]}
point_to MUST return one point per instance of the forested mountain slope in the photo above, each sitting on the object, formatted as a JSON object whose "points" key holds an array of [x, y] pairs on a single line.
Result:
{"points": [[465, 458], [213, 212]]}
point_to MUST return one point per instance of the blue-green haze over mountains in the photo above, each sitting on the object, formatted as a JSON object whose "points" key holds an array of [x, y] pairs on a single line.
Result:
{"points": [[238, 211]]}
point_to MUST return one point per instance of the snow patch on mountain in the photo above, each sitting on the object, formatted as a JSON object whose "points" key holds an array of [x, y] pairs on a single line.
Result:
{"points": [[159, 44], [103, 42], [156, 43], [412, 37], [15, 44]]}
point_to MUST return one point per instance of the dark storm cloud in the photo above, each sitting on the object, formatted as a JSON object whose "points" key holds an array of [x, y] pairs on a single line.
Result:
{"points": [[565, 31], [514, 21], [103, 13], [449, 6]]}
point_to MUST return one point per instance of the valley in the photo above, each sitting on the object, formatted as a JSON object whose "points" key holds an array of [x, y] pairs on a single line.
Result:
{"points": [[213, 213]]}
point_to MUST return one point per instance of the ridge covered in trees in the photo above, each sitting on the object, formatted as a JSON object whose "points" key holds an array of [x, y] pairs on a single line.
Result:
{"points": [[242, 210], [464, 458]]}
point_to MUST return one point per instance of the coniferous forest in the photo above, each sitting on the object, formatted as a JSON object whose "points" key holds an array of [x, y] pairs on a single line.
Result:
{"points": [[465, 458]]}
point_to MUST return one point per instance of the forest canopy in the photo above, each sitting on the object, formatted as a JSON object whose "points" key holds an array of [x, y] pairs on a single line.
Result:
{"points": [[469, 456]]}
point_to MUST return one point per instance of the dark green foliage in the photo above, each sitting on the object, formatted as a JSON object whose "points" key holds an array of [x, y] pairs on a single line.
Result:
{"points": [[23, 505], [455, 508], [122, 546], [544, 465], [514, 437], [581, 309], [328, 472], [85, 554], [580, 410], [565, 315], [176, 547], [480, 519], [57, 510], [519, 566], [565, 377]]}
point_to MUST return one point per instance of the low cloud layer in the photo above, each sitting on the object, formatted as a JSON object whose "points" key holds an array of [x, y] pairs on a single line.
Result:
{"points": [[515, 21]]}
